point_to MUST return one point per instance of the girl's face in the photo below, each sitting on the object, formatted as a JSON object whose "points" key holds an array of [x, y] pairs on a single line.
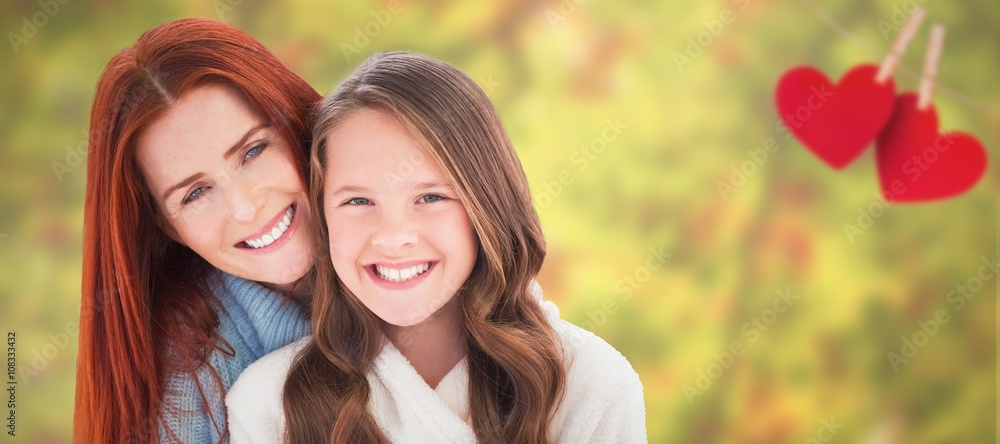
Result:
{"points": [[227, 186], [400, 239]]}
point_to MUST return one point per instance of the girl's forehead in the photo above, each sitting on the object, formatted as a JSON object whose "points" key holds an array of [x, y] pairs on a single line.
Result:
{"points": [[370, 151]]}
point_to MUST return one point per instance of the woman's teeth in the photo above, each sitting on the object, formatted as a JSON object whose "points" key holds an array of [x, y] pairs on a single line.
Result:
{"points": [[275, 233], [400, 275]]}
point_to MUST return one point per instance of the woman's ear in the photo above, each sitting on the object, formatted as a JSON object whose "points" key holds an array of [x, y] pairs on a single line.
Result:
{"points": [[155, 212], [167, 228]]}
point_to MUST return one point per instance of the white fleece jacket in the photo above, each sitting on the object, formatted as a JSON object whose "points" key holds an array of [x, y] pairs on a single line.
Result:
{"points": [[603, 400]]}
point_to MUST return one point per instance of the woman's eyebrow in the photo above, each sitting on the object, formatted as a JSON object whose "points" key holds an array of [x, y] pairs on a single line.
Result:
{"points": [[243, 140], [188, 181], [229, 153]]}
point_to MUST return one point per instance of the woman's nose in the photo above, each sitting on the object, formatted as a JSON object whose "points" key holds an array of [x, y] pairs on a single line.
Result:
{"points": [[244, 201]]}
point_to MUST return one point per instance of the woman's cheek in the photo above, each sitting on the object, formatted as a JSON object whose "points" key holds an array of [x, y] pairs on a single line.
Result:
{"points": [[199, 227]]}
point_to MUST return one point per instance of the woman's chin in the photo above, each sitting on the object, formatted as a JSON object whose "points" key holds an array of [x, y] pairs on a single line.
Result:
{"points": [[283, 278]]}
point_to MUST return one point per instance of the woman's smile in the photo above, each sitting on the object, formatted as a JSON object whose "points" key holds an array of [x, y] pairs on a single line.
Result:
{"points": [[229, 185], [274, 234]]}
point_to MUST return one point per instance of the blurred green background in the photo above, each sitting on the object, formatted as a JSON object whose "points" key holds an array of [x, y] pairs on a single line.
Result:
{"points": [[625, 151]]}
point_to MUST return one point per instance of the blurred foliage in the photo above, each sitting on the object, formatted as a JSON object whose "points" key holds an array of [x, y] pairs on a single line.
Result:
{"points": [[643, 247]]}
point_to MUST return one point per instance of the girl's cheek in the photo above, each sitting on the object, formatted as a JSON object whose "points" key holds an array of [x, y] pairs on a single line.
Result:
{"points": [[343, 236]]}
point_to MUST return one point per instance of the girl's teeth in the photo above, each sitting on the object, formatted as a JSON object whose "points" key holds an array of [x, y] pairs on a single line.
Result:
{"points": [[394, 275]]}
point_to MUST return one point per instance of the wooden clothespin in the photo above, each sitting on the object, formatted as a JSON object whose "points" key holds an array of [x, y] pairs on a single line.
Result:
{"points": [[891, 60], [930, 67]]}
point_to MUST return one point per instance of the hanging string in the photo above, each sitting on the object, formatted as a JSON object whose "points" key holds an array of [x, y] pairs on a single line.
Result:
{"points": [[944, 90]]}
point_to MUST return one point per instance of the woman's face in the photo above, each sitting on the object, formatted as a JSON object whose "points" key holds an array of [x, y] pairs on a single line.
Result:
{"points": [[400, 239], [227, 186]]}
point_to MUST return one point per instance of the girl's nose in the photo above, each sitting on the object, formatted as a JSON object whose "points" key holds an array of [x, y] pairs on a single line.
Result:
{"points": [[394, 231]]}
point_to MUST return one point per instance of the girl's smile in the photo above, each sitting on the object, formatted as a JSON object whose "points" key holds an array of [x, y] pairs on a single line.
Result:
{"points": [[400, 239], [400, 276]]}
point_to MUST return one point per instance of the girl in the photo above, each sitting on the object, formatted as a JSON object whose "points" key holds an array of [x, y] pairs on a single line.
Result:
{"points": [[425, 329], [196, 239]]}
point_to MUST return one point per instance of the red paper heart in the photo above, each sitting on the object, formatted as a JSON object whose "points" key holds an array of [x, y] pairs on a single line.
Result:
{"points": [[835, 123], [916, 163]]}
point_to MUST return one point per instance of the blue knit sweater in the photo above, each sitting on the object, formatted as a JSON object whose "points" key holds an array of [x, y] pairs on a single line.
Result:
{"points": [[254, 321]]}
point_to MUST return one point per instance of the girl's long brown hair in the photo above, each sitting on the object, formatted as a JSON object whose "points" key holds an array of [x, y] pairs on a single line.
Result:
{"points": [[516, 373], [144, 293]]}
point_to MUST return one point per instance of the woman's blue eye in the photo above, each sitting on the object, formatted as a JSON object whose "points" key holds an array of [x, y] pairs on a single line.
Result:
{"points": [[431, 198], [196, 193], [255, 151], [358, 201]]}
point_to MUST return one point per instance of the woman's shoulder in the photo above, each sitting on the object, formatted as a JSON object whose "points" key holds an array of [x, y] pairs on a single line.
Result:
{"points": [[262, 319], [245, 333]]}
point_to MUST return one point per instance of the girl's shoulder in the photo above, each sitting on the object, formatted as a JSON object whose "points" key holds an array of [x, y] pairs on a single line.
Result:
{"points": [[256, 412], [592, 359], [269, 370], [587, 356], [603, 399]]}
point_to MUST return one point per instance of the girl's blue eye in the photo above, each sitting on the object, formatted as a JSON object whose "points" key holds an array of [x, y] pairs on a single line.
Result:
{"points": [[358, 201], [255, 151], [431, 198], [196, 193]]}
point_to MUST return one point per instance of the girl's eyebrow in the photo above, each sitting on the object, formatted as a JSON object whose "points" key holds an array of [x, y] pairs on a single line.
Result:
{"points": [[349, 189], [432, 185], [421, 186]]}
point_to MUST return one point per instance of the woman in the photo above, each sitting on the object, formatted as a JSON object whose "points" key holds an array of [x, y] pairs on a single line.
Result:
{"points": [[197, 244]]}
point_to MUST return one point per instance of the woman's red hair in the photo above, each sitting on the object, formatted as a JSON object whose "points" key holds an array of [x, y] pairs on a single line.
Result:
{"points": [[144, 293]]}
